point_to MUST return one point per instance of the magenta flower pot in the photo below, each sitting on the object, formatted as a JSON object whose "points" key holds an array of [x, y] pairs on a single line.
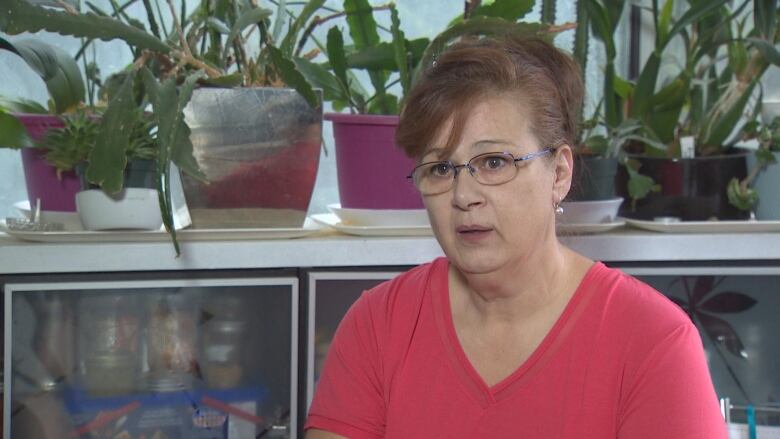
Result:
{"points": [[371, 169], [56, 193]]}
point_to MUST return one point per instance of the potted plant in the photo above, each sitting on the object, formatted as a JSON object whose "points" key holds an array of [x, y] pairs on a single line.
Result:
{"points": [[208, 48], [22, 121], [370, 167], [690, 115], [758, 191], [72, 147]]}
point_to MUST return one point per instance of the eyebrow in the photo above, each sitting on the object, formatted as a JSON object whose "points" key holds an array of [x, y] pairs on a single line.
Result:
{"points": [[480, 144]]}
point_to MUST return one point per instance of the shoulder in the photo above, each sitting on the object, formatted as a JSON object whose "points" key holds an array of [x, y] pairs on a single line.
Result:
{"points": [[398, 301], [634, 304]]}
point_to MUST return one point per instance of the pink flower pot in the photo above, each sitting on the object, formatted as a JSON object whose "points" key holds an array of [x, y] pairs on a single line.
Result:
{"points": [[371, 169], [56, 194]]}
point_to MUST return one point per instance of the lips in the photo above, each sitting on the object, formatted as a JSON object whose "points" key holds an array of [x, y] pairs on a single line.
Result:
{"points": [[472, 229]]}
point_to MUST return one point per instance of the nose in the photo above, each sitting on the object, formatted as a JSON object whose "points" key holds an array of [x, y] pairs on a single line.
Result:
{"points": [[466, 191]]}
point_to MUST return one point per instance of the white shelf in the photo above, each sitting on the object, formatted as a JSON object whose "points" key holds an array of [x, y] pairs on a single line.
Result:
{"points": [[334, 250]]}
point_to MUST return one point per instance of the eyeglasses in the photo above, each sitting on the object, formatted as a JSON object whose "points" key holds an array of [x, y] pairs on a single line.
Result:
{"points": [[491, 168]]}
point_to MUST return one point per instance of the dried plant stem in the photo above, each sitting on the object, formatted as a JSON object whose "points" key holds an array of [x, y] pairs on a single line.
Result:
{"points": [[185, 46], [68, 8]]}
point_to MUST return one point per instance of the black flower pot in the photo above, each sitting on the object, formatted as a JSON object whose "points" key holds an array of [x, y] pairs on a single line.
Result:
{"points": [[691, 189], [593, 179]]}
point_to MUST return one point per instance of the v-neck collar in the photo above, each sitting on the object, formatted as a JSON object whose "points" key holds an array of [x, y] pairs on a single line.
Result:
{"points": [[476, 386]]}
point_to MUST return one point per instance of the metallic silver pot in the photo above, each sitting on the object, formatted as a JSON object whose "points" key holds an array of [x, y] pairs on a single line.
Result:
{"points": [[259, 149]]}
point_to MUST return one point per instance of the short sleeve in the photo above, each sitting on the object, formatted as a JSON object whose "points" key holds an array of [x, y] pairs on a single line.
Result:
{"points": [[349, 398], [671, 393]]}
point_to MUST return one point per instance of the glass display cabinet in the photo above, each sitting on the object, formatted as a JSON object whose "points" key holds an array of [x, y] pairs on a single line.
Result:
{"points": [[331, 293], [188, 358]]}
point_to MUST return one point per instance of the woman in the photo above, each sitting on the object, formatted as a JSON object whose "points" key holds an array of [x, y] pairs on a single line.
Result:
{"points": [[512, 334]]}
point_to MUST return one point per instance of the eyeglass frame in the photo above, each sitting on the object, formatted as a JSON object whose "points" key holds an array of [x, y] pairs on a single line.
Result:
{"points": [[472, 170]]}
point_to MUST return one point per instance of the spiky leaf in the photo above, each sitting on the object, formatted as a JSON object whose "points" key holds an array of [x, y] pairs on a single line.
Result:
{"points": [[29, 18], [108, 158], [248, 18], [511, 10], [292, 77], [291, 38], [400, 51]]}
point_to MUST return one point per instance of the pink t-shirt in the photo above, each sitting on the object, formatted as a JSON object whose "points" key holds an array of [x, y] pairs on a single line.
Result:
{"points": [[622, 361]]}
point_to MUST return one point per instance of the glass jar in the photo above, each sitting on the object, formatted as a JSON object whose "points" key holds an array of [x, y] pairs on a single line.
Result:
{"points": [[222, 347], [171, 337], [109, 327]]}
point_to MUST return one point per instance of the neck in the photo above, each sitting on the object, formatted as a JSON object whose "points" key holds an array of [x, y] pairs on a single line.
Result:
{"points": [[518, 290]]}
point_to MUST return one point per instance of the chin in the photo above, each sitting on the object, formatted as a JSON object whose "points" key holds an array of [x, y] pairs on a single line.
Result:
{"points": [[477, 262]]}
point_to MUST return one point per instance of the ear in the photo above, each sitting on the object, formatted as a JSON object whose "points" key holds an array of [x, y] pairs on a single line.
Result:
{"points": [[563, 171]]}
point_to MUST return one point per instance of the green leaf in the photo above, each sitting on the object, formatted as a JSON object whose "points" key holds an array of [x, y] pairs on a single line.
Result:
{"points": [[665, 20], [738, 56], [645, 86], [226, 81], [281, 17], [12, 132], [384, 104], [597, 144], [338, 61], [639, 186], [724, 118], [765, 17], [382, 56], [511, 10], [248, 18], [108, 158], [696, 12], [739, 197], [602, 27], [362, 26], [292, 77], [320, 77], [487, 26], [21, 105], [218, 25], [56, 67], [623, 88], [288, 43], [767, 49], [400, 51], [29, 18]]}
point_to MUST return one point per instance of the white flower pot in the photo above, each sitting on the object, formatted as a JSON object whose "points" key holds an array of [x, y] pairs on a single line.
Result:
{"points": [[131, 208]]}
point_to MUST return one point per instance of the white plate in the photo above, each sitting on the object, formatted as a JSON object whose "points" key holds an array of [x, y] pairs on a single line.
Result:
{"points": [[381, 217], [332, 220], [72, 222], [706, 226], [589, 228], [308, 228]]}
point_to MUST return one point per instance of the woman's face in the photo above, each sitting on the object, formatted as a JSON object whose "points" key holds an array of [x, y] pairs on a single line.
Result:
{"points": [[484, 228]]}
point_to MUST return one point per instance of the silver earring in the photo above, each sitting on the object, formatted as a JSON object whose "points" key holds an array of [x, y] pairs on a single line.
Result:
{"points": [[558, 208]]}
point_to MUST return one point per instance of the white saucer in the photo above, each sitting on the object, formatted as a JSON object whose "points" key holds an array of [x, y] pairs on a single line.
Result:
{"points": [[589, 228], [308, 228], [335, 222], [735, 226], [381, 217]]}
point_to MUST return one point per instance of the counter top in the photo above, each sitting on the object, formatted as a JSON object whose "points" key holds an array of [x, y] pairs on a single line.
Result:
{"points": [[331, 249]]}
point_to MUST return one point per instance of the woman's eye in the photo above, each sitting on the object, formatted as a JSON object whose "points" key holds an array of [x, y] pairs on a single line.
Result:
{"points": [[440, 169], [494, 162]]}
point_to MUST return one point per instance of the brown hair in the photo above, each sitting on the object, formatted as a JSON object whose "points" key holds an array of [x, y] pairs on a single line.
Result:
{"points": [[546, 81]]}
